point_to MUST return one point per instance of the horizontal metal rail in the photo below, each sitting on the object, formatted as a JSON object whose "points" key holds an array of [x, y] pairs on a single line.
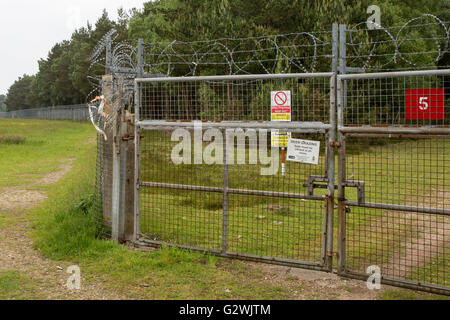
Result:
{"points": [[233, 191], [398, 74], [249, 257], [398, 135], [403, 283], [397, 207], [237, 77], [396, 130], [292, 126]]}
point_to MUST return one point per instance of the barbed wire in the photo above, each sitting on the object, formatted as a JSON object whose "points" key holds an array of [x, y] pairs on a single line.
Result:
{"points": [[425, 37], [419, 43]]}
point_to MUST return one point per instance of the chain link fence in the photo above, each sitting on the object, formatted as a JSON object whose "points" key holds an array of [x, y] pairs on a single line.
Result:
{"points": [[77, 112]]}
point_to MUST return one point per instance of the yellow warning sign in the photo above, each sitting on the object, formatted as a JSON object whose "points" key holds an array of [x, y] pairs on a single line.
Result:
{"points": [[281, 117], [280, 139]]}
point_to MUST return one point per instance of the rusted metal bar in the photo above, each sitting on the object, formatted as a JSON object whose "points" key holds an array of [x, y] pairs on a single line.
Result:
{"points": [[231, 190], [397, 207], [234, 255], [397, 130]]}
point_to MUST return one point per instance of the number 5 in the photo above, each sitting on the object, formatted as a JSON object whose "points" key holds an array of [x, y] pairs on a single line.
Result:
{"points": [[423, 104]]}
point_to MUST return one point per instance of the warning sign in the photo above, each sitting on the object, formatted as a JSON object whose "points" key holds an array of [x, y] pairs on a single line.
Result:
{"points": [[280, 139], [281, 105], [305, 151]]}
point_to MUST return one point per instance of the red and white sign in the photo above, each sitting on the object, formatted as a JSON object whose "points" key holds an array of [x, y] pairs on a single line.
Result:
{"points": [[281, 105], [424, 104]]}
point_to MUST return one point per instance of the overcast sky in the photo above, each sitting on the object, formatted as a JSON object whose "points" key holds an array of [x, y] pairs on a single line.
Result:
{"points": [[30, 28]]}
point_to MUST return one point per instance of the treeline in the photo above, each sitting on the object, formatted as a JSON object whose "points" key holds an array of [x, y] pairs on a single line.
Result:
{"points": [[2, 103], [62, 77]]}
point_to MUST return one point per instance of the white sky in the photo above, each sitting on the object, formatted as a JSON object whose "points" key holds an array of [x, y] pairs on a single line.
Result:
{"points": [[30, 28]]}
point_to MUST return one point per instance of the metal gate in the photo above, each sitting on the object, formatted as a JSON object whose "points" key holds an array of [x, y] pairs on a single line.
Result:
{"points": [[229, 206], [393, 181], [394, 177]]}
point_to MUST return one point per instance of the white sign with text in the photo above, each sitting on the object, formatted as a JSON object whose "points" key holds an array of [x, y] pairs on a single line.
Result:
{"points": [[305, 151]]}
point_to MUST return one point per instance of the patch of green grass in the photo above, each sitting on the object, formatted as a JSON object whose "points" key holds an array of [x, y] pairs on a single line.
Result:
{"points": [[396, 294], [47, 142], [16, 286]]}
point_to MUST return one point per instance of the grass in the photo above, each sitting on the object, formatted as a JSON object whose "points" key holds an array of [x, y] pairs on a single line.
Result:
{"points": [[64, 230], [12, 140], [16, 286], [45, 144], [395, 294]]}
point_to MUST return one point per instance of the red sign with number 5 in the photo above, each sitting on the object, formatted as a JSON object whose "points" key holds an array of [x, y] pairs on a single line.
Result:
{"points": [[424, 104]]}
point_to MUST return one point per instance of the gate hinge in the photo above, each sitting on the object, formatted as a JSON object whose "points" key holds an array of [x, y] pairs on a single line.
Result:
{"points": [[332, 254], [335, 144], [127, 137]]}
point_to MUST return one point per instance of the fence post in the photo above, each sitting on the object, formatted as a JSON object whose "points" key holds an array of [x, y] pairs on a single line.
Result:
{"points": [[125, 148], [118, 188], [341, 191], [327, 252], [107, 91], [335, 48], [108, 61], [137, 140], [140, 58], [343, 59], [225, 195], [128, 183]]}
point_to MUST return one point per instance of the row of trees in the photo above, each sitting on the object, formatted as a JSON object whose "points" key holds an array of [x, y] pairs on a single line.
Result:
{"points": [[2, 103], [62, 77]]}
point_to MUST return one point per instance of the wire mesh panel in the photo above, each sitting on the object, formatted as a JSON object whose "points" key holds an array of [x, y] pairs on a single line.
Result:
{"points": [[171, 211], [209, 178], [236, 99], [398, 100], [394, 178], [411, 239]]}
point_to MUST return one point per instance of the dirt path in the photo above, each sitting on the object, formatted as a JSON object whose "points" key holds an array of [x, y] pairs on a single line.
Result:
{"points": [[16, 248], [431, 237], [318, 285]]}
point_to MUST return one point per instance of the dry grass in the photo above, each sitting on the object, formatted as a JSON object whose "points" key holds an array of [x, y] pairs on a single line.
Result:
{"points": [[12, 140]]}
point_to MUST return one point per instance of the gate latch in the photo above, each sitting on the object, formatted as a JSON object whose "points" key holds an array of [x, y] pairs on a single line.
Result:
{"points": [[316, 182], [361, 189]]}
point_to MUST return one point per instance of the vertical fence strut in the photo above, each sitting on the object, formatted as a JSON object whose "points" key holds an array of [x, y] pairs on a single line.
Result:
{"points": [[225, 195], [137, 165]]}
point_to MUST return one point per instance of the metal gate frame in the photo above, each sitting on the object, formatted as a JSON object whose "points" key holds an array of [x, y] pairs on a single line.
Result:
{"points": [[403, 131], [336, 132], [327, 129]]}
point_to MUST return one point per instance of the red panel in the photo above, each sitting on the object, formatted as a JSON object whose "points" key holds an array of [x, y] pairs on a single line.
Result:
{"points": [[424, 104]]}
